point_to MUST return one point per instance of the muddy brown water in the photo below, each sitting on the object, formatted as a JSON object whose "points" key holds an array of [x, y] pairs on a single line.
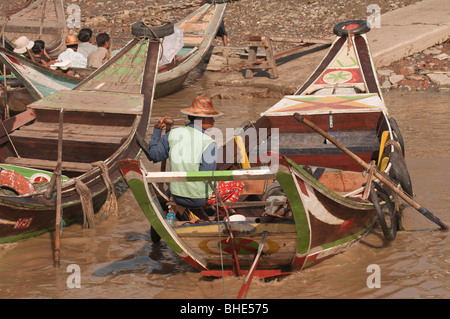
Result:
{"points": [[118, 260]]}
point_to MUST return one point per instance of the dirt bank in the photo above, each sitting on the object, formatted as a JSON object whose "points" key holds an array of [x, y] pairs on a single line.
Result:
{"points": [[289, 18]]}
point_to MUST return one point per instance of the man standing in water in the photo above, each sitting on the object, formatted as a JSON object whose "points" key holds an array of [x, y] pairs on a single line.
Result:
{"points": [[190, 149]]}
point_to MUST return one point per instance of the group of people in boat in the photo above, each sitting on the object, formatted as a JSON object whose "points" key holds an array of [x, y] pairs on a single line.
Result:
{"points": [[80, 50]]}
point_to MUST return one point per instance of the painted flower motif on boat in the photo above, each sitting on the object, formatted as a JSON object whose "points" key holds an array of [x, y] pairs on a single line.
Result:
{"points": [[333, 76]]}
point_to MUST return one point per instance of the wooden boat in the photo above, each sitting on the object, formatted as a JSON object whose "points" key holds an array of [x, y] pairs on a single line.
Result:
{"points": [[39, 80], [311, 202], [199, 30], [42, 19], [101, 117]]}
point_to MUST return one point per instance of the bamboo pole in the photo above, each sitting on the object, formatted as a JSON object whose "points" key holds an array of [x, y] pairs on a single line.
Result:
{"points": [[376, 173]]}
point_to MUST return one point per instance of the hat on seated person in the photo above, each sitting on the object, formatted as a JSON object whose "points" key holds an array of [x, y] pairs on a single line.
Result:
{"points": [[201, 107], [72, 39], [22, 44]]}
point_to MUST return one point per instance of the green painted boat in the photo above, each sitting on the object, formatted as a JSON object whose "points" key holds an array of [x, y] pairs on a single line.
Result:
{"points": [[101, 117], [312, 201]]}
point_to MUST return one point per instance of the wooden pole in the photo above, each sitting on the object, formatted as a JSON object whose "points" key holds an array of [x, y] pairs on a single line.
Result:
{"points": [[58, 170], [243, 292], [377, 174], [169, 123]]}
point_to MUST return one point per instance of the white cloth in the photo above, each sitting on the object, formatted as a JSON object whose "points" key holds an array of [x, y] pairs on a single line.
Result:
{"points": [[171, 45], [78, 60], [86, 48]]}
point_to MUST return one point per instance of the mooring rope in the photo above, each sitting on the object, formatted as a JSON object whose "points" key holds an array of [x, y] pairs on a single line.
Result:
{"points": [[110, 207], [86, 204]]}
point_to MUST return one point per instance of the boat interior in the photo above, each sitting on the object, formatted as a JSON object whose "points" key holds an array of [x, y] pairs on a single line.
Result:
{"points": [[90, 133]]}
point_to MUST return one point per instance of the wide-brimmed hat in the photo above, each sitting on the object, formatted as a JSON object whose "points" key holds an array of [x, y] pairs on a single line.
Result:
{"points": [[201, 107], [22, 44], [72, 39]]}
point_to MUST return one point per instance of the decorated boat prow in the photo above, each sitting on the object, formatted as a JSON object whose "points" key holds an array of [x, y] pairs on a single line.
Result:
{"points": [[303, 199]]}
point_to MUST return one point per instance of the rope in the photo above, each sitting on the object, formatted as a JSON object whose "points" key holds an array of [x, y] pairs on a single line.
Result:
{"points": [[86, 204], [110, 207]]}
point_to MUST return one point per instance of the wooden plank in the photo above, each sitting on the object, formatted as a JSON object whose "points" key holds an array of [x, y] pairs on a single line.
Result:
{"points": [[299, 40], [236, 175], [48, 165], [15, 122], [92, 101], [74, 137], [78, 129], [192, 41]]}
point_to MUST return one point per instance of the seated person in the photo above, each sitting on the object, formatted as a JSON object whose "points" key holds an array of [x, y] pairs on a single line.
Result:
{"points": [[39, 53], [86, 47], [23, 46], [202, 149], [97, 58], [71, 54]]}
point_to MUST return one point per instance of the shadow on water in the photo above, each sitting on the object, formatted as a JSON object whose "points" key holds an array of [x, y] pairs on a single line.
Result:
{"points": [[150, 259]]}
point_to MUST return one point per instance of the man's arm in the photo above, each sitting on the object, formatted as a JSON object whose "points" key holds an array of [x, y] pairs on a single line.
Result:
{"points": [[158, 146]]}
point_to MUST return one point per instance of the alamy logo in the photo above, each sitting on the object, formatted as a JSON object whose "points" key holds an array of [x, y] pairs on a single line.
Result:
{"points": [[73, 16], [374, 20], [374, 280], [74, 279], [262, 145]]}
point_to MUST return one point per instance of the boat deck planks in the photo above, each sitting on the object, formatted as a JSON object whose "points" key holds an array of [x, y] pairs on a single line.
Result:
{"points": [[92, 101]]}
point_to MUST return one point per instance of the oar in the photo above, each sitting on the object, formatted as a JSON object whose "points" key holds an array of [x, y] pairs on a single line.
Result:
{"points": [[169, 123], [248, 279], [56, 257], [377, 174], [143, 145]]}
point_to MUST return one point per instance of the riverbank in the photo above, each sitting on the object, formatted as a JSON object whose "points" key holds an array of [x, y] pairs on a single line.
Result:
{"points": [[424, 69]]}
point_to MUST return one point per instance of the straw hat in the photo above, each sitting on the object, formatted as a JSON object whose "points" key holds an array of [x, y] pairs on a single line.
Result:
{"points": [[22, 44], [201, 107], [72, 39]]}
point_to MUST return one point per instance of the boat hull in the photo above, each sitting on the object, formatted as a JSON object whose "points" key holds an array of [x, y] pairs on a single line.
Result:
{"points": [[97, 132]]}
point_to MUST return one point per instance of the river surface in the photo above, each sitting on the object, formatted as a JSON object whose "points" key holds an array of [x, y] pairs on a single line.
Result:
{"points": [[118, 260]]}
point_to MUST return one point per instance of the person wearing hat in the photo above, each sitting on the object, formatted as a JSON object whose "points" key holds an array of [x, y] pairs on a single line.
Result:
{"points": [[189, 149], [71, 54], [23, 45]]}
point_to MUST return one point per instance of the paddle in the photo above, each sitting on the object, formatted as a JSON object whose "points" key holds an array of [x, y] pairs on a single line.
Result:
{"points": [[377, 174], [56, 257], [144, 145], [248, 279], [169, 122]]}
